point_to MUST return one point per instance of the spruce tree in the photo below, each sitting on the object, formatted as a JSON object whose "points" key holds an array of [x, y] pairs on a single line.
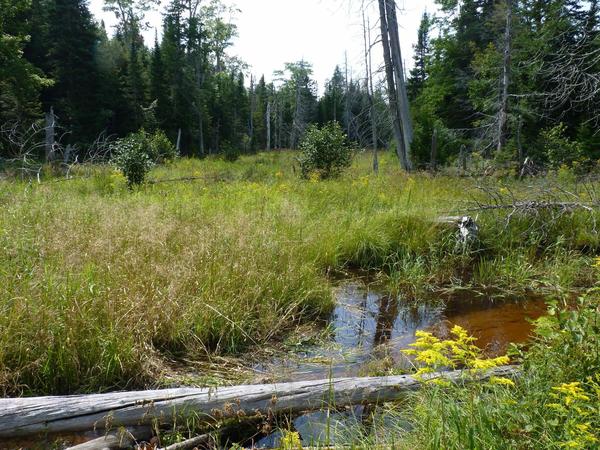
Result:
{"points": [[72, 40]]}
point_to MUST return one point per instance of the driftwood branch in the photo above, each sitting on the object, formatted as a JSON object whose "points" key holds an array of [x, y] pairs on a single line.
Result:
{"points": [[28, 416], [537, 205]]}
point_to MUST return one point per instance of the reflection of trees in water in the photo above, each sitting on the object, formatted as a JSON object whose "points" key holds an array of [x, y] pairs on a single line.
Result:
{"points": [[388, 311]]}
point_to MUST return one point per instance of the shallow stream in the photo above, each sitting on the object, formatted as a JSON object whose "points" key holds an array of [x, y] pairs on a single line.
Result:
{"points": [[367, 326], [370, 329]]}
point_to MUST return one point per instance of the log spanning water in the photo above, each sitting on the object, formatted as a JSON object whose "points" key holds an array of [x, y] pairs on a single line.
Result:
{"points": [[77, 413]]}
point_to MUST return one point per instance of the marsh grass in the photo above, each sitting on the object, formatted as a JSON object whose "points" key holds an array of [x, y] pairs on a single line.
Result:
{"points": [[100, 284]]}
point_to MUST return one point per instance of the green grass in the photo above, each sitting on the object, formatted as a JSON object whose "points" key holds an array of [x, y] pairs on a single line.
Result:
{"points": [[99, 284]]}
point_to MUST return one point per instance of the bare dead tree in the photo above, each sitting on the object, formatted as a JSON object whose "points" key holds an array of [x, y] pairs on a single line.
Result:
{"points": [[395, 79], [400, 73], [369, 85], [573, 71], [252, 109], [505, 81], [434, 149], [268, 124]]}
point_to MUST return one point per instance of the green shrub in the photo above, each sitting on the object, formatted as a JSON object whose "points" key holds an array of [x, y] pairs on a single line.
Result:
{"points": [[559, 148], [326, 151], [230, 152], [161, 148], [131, 156]]}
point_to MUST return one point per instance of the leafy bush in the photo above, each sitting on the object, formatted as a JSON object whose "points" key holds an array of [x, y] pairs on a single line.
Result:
{"points": [[326, 151], [161, 149], [131, 156], [559, 148], [230, 152]]}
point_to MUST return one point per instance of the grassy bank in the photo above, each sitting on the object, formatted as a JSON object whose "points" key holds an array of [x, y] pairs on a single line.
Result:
{"points": [[98, 284]]}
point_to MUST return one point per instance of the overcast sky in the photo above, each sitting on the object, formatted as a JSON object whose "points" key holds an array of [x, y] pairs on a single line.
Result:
{"points": [[273, 32]]}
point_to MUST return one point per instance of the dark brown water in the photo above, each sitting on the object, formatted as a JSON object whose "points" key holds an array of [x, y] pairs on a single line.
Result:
{"points": [[368, 326]]}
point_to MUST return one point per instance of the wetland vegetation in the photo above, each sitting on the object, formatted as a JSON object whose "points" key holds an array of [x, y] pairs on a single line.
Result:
{"points": [[167, 219]]}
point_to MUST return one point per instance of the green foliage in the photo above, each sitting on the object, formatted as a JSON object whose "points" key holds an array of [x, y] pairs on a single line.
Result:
{"points": [[20, 81], [231, 153], [131, 156], [161, 149], [326, 151], [560, 150]]}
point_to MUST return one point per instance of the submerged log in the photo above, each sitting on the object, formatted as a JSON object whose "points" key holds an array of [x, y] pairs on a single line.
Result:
{"points": [[28, 416]]}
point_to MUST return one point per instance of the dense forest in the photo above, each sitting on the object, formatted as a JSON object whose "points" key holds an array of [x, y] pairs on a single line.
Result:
{"points": [[500, 80]]}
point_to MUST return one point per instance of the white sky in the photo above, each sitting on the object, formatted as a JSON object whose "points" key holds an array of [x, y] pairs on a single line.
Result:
{"points": [[273, 32]]}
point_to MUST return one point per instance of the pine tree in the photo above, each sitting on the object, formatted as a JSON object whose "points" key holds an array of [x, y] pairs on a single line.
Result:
{"points": [[72, 40], [20, 81], [331, 105], [422, 51]]}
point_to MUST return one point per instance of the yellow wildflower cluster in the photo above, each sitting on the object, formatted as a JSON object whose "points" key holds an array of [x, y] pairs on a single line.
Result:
{"points": [[578, 410], [434, 354], [597, 261], [571, 392], [290, 441], [362, 181], [314, 177]]}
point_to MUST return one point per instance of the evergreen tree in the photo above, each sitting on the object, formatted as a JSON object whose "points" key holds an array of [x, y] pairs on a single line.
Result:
{"points": [[20, 80], [422, 51], [71, 43]]}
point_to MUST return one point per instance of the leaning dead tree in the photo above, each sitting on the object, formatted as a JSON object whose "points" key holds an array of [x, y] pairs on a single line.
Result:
{"points": [[370, 90], [396, 83], [30, 416]]}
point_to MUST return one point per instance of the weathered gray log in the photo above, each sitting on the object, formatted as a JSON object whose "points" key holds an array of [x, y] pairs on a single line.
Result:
{"points": [[125, 438], [190, 443], [27, 416]]}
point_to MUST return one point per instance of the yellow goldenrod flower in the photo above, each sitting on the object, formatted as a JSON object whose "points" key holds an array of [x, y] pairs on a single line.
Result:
{"points": [[502, 381]]}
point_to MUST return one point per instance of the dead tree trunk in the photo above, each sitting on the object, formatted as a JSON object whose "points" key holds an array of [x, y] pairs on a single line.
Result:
{"points": [[346, 96], [178, 146], [252, 108], [268, 123], [393, 97], [520, 153], [505, 81], [50, 135], [462, 160], [434, 145], [369, 83], [28, 416], [400, 79]]}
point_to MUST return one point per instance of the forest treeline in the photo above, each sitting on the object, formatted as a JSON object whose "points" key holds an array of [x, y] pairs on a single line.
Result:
{"points": [[497, 79]]}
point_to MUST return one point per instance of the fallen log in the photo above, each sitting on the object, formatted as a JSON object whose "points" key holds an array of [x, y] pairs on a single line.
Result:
{"points": [[116, 439], [28, 416], [190, 443]]}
